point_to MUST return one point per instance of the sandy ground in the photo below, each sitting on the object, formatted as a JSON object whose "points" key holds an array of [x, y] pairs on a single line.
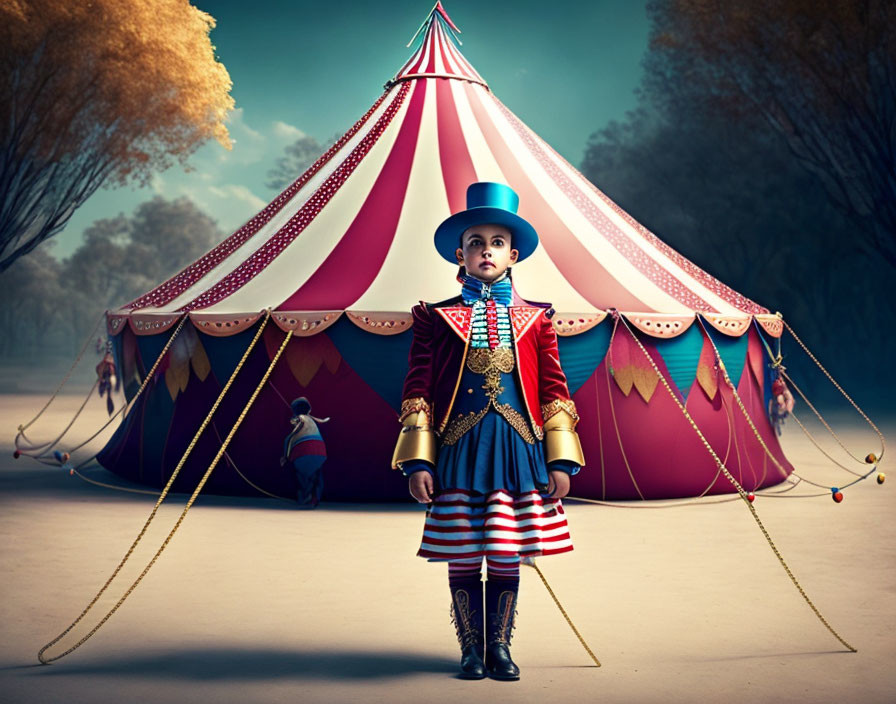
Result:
{"points": [[255, 601]]}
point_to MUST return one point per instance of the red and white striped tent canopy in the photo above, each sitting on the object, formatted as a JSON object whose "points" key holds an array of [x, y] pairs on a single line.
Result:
{"points": [[353, 234]]}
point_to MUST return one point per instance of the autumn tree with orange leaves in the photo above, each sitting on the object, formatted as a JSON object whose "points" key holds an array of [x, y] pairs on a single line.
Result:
{"points": [[820, 73], [98, 93]]}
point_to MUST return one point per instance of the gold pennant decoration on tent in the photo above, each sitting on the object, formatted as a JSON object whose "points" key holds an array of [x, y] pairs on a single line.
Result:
{"points": [[631, 370], [707, 371], [645, 380], [621, 363], [199, 361], [177, 372], [306, 355], [187, 352]]}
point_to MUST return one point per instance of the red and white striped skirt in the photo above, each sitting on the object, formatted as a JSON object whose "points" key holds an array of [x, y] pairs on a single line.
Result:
{"points": [[461, 524]]}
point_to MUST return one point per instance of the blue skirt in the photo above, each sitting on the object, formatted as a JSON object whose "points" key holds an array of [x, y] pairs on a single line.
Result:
{"points": [[492, 456]]}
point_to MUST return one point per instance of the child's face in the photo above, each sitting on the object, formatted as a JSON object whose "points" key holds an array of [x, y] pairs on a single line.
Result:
{"points": [[485, 251]]}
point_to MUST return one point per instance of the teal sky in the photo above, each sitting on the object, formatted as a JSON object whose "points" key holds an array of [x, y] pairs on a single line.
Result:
{"points": [[565, 68]]}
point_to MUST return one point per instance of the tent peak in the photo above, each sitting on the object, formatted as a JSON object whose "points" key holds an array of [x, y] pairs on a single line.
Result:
{"points": [[437, 9], [437, 55]]}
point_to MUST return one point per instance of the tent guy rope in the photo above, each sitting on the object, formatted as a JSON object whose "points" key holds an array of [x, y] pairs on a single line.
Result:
{"points": [[23, 428], [123, 410], [740, 491], [871, 458], [41, 654], [883, 443], [531, 563], [41, 450]]}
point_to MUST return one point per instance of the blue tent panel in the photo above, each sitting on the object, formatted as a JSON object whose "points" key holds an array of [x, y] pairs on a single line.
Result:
{"points": [[733, 351], [224, 353], [682, 355], [581, 354], [381, 360], [151, 347]]}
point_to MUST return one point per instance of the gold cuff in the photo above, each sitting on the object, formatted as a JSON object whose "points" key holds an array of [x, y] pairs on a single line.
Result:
{"points": [[417, 440], [411, 406], [549, 410], [561, 442], [414, 444]]}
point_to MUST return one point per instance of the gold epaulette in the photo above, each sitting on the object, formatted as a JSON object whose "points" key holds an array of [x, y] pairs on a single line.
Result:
{"points": [[561, 442], [417, 440]]}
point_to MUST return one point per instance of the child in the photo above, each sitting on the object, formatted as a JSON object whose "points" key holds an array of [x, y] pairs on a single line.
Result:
{"points": [[488, 438], [305, 449]]}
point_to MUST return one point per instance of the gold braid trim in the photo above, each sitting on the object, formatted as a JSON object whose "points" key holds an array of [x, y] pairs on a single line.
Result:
{"points": [[549, 410], [517, 421], [463, 423], [418, 404]]}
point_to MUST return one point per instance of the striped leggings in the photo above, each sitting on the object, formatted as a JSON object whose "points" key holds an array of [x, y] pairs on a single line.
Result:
{"points": [[497, 568]]}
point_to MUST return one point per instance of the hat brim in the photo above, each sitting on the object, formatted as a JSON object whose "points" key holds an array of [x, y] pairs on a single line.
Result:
{"points": [[447, 237]]}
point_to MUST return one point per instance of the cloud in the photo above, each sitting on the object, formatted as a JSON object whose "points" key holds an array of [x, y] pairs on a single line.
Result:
{"points": [[157, 184], [236, 123], [287, 131], [232, 191], [221, 183], [249, 144]]}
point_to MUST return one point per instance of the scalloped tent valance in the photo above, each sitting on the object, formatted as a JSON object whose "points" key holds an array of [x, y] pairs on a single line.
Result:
{"points": [[305, 323]]}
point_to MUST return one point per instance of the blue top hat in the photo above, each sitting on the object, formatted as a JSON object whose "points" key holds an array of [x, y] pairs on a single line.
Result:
{"points": [[487, 203]]}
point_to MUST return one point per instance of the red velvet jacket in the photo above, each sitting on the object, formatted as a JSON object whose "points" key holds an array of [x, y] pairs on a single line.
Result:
{"points": [[439, 350]]}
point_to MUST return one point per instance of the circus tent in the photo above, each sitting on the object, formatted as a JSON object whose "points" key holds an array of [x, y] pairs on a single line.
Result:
{"points": [[340, 256]]}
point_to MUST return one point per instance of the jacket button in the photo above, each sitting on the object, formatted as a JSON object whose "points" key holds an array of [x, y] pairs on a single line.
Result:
{"points": [[469, 391]]}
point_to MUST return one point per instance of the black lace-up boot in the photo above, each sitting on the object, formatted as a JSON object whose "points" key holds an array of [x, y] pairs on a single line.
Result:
{"points": [[466, 613], [500, 604]]}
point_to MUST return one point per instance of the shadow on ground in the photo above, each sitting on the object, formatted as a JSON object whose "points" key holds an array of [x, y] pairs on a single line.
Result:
{"points": [[245, 664], [42, 481]]}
